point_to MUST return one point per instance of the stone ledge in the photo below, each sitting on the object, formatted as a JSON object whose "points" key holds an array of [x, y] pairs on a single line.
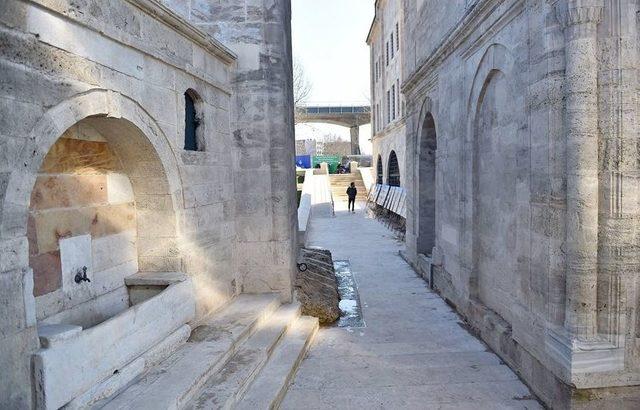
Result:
{"points": [[163, 13], [50, 335], [155, 278]]}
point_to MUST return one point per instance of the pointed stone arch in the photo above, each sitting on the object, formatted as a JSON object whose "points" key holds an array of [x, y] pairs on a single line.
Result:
{"points": [[494, 215]]}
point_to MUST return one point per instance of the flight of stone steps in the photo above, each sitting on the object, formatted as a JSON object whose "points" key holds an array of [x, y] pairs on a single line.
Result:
{"points": [[242, 357], [340, 183]]}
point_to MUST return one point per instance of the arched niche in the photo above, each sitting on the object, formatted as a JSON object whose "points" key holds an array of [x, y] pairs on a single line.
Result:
{"points": [[76, 152], [495, 240], [426, 194]]}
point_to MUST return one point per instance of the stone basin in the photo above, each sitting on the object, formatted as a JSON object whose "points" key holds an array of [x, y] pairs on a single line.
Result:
{"points": [[72, 360]]}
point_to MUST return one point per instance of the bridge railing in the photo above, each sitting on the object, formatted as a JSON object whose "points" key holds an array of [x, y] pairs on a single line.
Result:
{"points": [[336, 110]]}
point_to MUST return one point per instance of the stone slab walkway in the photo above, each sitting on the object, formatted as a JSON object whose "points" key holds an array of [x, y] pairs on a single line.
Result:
{"points": [[414, 352]]}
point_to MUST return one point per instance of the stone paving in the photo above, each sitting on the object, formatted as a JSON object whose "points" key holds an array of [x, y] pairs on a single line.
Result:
{"points": [[413, 353]]}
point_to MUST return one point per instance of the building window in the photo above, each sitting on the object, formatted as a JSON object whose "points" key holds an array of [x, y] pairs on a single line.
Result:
{"points": [[387, 53], [193, 136], [392, 46], [374, 117], [397, 37], [398, 97], [393, 102], [388, 106]]}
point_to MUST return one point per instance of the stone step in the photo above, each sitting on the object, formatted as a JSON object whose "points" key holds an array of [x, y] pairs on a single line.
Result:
{"points": [[172, 383], [346, 182], [344, 176], [223, 389], [269, 388], [344, 188], [341, 191]]}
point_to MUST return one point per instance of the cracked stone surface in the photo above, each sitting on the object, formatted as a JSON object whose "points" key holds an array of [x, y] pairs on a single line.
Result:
{"points": [[316, 288], [414, 352]]}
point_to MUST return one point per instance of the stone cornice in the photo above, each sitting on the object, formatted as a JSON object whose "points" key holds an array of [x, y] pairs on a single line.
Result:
{"points": [[576, 14], [373, 23], [460, 31], [389, 129], [169, 17]]}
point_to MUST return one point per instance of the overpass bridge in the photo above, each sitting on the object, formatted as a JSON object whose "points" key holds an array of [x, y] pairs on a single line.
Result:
{"points": [[350, 116]]}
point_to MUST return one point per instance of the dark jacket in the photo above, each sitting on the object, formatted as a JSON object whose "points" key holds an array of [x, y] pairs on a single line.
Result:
{"points": [[352, 192]]}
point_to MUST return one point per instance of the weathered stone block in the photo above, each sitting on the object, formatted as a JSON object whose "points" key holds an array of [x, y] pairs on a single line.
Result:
{"points": [[119, 189], [73, 156], [317, 288], [14, 254], [12, 303], [15, 361], [47, 271], [113, 250], [97, 221], [64, 191]]}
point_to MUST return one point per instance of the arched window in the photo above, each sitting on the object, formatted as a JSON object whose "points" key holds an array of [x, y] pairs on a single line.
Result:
{"points": [[193, 140], [393, 177], [379, 179]]}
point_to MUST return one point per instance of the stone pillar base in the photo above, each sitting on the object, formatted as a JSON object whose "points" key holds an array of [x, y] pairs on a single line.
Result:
{"points": [[578, 360]]}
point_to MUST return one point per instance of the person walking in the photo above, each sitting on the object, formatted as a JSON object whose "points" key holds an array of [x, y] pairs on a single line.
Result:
{"points": [[351, 193]]}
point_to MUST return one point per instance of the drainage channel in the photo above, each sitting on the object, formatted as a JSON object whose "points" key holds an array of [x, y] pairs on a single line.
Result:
{"points": [[350, 308]]}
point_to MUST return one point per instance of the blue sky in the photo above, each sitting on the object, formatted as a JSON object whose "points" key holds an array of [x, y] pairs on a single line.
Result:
{"points": [[329, 40]]}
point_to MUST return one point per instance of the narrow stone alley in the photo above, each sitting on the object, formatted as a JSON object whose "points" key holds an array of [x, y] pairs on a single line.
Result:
{"points": [[414, 351]]}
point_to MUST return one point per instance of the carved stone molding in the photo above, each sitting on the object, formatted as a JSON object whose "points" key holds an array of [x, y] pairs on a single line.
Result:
{"points": [[575, 13]]}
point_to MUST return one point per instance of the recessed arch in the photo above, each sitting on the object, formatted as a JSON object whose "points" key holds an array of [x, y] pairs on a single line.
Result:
{"points": [[427, 149], [146, 158], [393, 170], [495, 58], [493, 233], [98, 103]]}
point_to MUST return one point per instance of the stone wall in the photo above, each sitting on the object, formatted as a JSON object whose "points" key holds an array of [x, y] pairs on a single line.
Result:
{"points": [[259, 32], [534, 105], [386, 76], [225, 215]]}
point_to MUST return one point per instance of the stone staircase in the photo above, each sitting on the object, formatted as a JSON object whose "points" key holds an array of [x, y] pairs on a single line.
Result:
{"points": [[340, 183], [241, 357]]}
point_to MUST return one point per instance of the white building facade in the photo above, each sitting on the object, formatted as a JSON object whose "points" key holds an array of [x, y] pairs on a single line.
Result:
{"points": [[387, 108]]}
